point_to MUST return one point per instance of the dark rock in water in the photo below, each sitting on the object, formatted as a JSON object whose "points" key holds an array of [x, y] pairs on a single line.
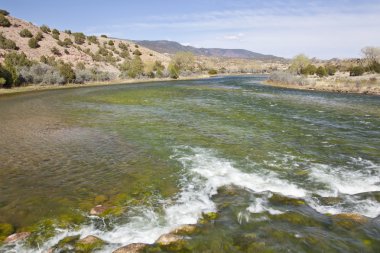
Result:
{"points": [[229, 190], [98, 210], [185, 229], [168, 239], [208, 217], [17, 237], [132, 248], [88, 244], [67, 244], [330, 201]]}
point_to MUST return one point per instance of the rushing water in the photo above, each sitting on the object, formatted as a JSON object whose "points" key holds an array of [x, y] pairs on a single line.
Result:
{"points": [[164, 153]]}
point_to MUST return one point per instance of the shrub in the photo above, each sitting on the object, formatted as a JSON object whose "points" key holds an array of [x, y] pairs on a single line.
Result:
{"points": [[25, 33], [5, 78], [67, 42], [159, 68], [92, 39], [79, 38], [55, 31], [4, 12], [136, 46], [331, 69], [4, 22], [374, 66], [111, 43], [33, 43], [288, 78], [80, 66], [17, 60], [184, 61], [308, 70], [68, 31], [173, 70], [356, 71], [41, 74], [137, 52], [321, 71], [39, 36], [55, 36], [49, 60], [104, 36], [123, 46], [67, 72], [45, 29], [56, 51], [6, 43], [212, 72]]}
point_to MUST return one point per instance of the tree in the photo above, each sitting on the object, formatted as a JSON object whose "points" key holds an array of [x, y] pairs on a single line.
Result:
{"points": [[136, 67], [321, 71], [159, 68], [174, 70], [371, 54], [184, 60], [12, 62], [33, 43], [309, 70], [4, 22], [298, 63], [331, 69], [79, 38], [5, 78], [67, 72]]}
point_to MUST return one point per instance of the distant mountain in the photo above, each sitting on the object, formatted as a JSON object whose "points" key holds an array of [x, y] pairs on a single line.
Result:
{"points": [[172, 47]]}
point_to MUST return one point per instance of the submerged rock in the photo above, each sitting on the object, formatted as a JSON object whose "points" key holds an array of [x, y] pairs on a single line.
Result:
{"points": [[352, 216], [98, 210], [168, 239], [207, 217], [185, 229], [88, 244], [284, 200], [132, 248], [17, 237]]}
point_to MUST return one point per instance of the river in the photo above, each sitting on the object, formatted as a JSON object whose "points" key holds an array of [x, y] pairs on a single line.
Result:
{"points": [[279, 166]]}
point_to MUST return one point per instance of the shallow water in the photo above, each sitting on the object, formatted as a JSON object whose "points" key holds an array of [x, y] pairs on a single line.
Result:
{"points": [[164, 152]]}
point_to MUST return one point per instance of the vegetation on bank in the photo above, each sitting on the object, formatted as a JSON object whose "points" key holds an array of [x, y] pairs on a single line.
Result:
{"points": [[303, 72]]}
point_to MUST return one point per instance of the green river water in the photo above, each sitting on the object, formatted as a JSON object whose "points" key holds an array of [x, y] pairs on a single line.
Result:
{"points": [[285, 170]]}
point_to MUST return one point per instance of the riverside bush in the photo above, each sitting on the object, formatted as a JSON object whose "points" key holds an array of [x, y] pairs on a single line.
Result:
{"points": [[41, 74], [25, 33], [288, 78], [321, 71], [356, 71], [67, 72]]}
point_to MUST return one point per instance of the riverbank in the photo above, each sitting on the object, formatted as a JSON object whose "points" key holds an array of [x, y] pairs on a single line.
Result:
{"points": [[92, 84], [341, 83]]}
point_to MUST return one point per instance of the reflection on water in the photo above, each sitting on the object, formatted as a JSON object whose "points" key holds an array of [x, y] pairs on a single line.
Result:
{"points": [[164, 152]]}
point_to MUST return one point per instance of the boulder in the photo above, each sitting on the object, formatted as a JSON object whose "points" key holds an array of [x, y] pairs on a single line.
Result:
{"points": [[167, 239], [88, 244], [185, 229], [131, 248], [98, 210], [17, 237], [352, 216]]}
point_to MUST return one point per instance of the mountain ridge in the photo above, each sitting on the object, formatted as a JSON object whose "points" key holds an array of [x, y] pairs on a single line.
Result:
{"points": [[172, 47]]}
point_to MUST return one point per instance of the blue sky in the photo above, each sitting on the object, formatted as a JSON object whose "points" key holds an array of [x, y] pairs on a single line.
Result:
{"points": [[320, 28]]}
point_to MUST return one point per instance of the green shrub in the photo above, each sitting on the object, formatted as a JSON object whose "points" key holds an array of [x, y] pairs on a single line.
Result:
{"points": [[123, 46], [79, 38], [6, 43], [374, 66], [33, 43], [5, 78], [111, 43], [49, 60], [102, 51], [92, 39], [104, 36], [309, 70], [17, 60], [136, 46], [173, 70], [66, 51], [25, 33], [321, 71], [4, 12], [159, 68], [68, 31], [80, 65], [68, 42], [125, 54], [55, 31], [136, 67], [212, 72], [45, 29], [4, 22], [356, 71], [67, 72], [137, 52], [56, 51], [39, 36]]}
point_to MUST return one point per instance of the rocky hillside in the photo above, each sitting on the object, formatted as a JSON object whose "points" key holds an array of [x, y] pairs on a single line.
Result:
{"points": [[101, 52], [172, 47]]}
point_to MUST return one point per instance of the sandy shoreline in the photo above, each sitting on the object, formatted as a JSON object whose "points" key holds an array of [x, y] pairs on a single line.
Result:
{"points": [[31, 88]]}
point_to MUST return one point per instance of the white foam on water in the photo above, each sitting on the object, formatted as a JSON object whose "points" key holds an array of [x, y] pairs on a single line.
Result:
{"points": [[260, 205], [346, 180]]}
